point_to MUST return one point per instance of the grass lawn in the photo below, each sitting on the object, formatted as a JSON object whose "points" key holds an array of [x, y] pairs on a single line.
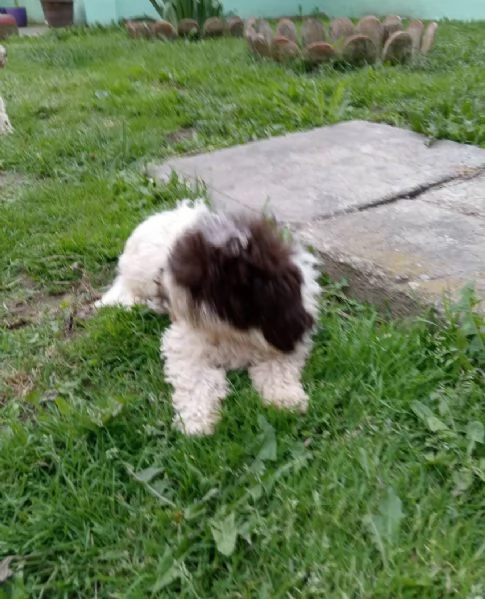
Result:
{"points": [[377, 493]]}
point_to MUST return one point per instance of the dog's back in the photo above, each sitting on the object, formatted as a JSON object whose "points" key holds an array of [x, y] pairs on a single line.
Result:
{"points": [[146, 253]]}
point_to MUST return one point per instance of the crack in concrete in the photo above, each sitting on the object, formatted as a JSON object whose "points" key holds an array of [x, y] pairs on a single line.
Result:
{"points": [[467, 175]]}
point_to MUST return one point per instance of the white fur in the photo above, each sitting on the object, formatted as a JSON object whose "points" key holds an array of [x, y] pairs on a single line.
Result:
{"points": [[3, 56], [198, 354], [146, 253], [5, 125]]}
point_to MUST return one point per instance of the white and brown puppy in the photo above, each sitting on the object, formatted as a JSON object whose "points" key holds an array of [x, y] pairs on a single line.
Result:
{"points": [[240, 294]]}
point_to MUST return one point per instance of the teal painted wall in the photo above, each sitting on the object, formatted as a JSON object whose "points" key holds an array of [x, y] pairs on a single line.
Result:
{"points": [[424, 9], [464, 10], [276, 8], [131, 8], [106, 11]]}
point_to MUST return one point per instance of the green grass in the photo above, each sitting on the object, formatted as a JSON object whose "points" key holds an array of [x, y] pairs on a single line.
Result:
{"points": [[376, 493]]}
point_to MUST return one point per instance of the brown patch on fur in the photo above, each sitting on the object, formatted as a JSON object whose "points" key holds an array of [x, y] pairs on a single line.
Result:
{"points": [[253, 285]]}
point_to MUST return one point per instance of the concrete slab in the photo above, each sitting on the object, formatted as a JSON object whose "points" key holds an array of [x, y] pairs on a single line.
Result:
{"points": [[326, 171], [405, 254]]}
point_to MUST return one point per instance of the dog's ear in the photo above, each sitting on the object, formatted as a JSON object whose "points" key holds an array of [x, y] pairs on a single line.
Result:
{"points": [[189, 260], [277, 305], [284, 319]]}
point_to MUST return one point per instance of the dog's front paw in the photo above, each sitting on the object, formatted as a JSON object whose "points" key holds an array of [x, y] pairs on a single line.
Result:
{"points": [[294, 399], [193, 427]]}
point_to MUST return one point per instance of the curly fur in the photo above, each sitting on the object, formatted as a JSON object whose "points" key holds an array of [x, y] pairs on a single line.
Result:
{"points": [[239, 294]]}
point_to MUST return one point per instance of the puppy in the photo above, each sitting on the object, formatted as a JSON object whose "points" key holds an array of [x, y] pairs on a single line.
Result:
{"points": [[240, 294]]}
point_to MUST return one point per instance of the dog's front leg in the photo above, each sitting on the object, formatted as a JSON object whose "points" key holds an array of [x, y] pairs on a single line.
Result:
{"points": [[199, 385], [278, 381], [117, 295]]}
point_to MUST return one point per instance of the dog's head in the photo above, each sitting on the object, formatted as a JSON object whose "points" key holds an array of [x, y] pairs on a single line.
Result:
{"points": [[240, 271]]}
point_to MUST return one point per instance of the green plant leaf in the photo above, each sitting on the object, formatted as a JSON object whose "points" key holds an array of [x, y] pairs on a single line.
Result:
{"points": [[168, 571], [374, 527], [475, 432], [392, 514], [224, 533], [170, 14], [148, 474], [63, 406], [384, 527], [269, 446], [433, 423], [463, 481]]}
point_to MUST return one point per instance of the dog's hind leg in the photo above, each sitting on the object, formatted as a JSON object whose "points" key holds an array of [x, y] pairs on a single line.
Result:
{"points": [[278, 382], [199, 385]]}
